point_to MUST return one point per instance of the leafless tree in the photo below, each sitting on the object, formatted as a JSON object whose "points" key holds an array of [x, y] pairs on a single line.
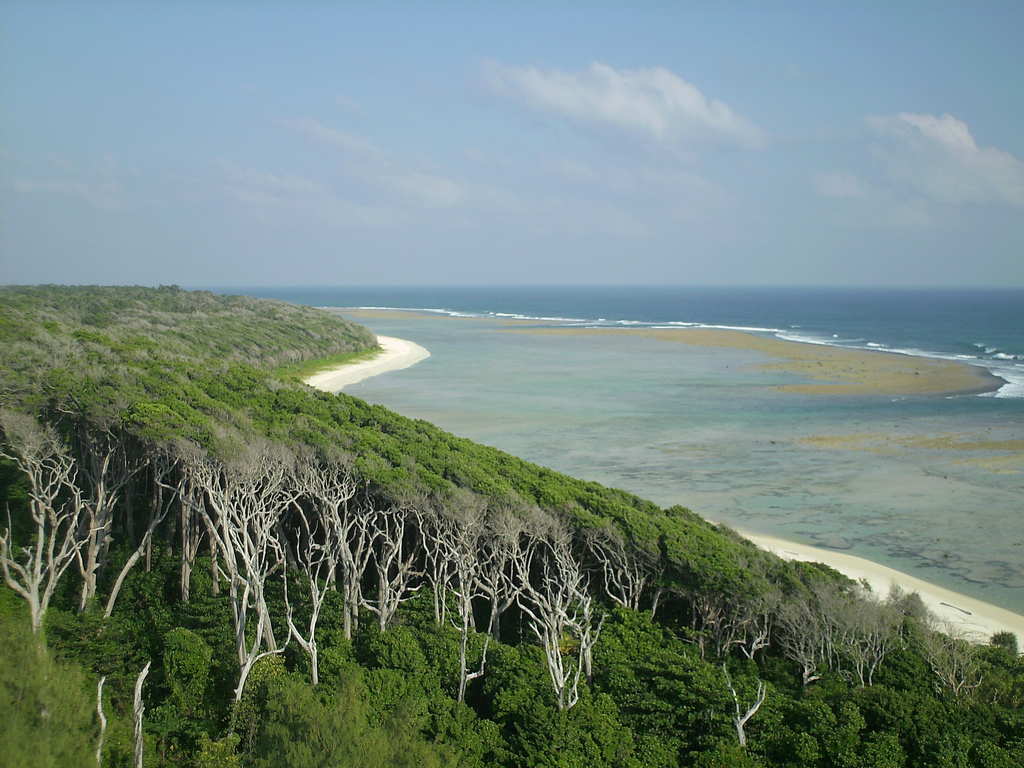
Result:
{"points": [[165, 496], [460, 532], [873, 630], [191, 529], [55, 509], [106, 467], [318, 536], [714, 625], [103, 720], [247, 498], [743, 717], [433, 525], [498, 580], [555, 597], [329, 487], [625, 570], [394, 560], [802, 635], [952, 658], [138, 709], [757, 617]]}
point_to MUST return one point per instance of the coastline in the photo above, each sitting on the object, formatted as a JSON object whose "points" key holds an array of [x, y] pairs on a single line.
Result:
{"points": [[834, 370], [395, 355], [976, 618]]}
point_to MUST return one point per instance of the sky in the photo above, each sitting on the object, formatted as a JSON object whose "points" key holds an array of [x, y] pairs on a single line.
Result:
{"points": [[686, 143]]}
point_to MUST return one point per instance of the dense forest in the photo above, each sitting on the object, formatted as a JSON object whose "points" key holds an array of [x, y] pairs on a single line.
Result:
{"points": [[208, 563]]}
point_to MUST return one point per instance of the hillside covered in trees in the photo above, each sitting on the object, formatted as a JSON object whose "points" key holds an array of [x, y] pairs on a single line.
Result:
{"points": [[208, 563]]}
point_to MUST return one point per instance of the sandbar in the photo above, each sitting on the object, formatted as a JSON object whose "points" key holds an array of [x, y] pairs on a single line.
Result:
{"points": [[384, 314], [395, 355], [977, 619], [840, 370]]}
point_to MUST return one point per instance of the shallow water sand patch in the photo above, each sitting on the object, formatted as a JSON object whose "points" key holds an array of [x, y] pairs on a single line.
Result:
{"points": [[1002, 456], [844, 371]]}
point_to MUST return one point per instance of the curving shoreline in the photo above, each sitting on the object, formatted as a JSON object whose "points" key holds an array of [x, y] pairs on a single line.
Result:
{"points": [[976, 618], [395, 355]]}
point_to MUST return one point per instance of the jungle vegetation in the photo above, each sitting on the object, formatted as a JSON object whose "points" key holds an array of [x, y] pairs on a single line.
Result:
{"points": [[208, 563]]}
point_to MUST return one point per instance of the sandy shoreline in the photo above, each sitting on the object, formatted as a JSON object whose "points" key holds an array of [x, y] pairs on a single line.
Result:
{"points": [[976, 618], [841, 371], [396, 354]]}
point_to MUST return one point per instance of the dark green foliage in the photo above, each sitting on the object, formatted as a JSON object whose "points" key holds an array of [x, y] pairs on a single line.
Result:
{"points": [[299, 730], [47, 706]]}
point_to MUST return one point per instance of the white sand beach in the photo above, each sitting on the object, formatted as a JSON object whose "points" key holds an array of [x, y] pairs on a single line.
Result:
{"points": [[395, 355], [976, 618]]}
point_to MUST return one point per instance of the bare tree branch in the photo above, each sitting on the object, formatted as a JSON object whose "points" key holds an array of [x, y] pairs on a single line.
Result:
{"points": [[556, 600], [741, 718], [55, 509]]}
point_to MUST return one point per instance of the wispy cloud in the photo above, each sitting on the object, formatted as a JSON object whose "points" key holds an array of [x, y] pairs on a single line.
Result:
{"points": [[373, 165], [654, 103], [939, 158], [302, 196]]}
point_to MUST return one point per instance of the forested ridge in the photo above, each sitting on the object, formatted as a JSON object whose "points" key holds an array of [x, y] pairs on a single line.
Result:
{"points": [[208, 563]]}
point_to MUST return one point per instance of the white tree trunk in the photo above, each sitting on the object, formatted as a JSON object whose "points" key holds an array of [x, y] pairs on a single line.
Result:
{"points": [[137, 711], [102, 719]]}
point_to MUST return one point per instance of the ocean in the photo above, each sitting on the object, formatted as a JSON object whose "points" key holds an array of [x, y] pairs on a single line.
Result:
{"points": [[930, 485]]}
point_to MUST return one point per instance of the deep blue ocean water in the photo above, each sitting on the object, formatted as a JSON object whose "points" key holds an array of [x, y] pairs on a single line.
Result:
{"points": [[930, 485]]}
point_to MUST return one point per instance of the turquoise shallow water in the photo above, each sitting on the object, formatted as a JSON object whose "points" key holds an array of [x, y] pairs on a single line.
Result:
{"points": [[706, 428]]}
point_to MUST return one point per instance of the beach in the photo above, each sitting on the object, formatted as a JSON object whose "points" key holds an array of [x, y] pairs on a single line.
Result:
{"points": [[395, 355], [839, 370], [976, 619]]}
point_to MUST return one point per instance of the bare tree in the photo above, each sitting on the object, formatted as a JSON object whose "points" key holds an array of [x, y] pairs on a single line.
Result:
{"points": [[318, 544], [874, 628], [743, 717], [802, 635], [558, 606], [757, 619], [247, 498], [460, 532], [329, 487], [952, 657], [163, 499], [55, 510], [437, 566], [138, 709], [394, 559], [625, 570], [190, 525], [107, 468], [714, 625], [498, 581]]}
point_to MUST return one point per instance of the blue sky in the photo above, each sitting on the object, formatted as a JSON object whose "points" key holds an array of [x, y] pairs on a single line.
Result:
{"points": [[474, 143]]}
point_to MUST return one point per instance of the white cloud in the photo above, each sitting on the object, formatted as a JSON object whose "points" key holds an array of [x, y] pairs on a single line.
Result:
{"points": [[346, 142], [839, 185], [939, 158], [654, 103]]}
